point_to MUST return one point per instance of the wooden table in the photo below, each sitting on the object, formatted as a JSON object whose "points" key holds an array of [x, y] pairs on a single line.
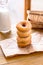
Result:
{"points": [[31, 59]]}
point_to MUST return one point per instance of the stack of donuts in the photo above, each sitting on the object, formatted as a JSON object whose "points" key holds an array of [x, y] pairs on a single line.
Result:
{"points": [[23, 33]]}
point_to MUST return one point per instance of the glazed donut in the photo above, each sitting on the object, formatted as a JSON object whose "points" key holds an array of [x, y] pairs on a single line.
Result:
{"points": [[24, 26], [24, 34], [21, 44], [23, 40]]}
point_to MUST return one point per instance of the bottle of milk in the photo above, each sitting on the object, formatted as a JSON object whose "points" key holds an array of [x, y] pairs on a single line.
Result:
{"points": [[5, 23]]}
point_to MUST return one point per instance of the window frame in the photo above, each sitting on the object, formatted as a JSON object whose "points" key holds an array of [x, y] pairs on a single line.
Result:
{"points": [[27, 7]]}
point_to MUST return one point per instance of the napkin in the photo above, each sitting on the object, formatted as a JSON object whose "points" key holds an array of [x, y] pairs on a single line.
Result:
{"points": [[10, 47]]}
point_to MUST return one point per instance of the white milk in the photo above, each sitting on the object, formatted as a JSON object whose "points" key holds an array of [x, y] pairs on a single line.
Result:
{"points": [[5, 25]]}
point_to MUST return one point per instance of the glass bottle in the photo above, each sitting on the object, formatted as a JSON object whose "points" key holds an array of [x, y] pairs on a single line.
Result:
{"points": [[5, 23]]}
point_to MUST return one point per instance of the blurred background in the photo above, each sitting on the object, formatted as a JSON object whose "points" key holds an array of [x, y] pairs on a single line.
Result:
{"points": [[16, 9]]}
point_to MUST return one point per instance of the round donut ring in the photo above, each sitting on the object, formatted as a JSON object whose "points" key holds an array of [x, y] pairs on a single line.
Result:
{"points": [[24, 26], [23, 40], [20, 44], [24, 34]]}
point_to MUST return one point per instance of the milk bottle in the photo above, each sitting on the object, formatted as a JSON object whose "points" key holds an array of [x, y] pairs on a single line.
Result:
{"points": [[5, 25]]}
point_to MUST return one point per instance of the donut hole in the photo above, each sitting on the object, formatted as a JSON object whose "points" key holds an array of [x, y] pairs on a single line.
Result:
{"points": [[23, 25]]}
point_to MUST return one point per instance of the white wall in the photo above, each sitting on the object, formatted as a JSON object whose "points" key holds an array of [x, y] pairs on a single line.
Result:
{"points": [[37, 5]]}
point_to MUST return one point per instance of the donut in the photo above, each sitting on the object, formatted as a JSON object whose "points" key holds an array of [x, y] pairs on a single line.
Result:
{"points": [[24, 26], [23, 40], [21, 44], [24, 34]]}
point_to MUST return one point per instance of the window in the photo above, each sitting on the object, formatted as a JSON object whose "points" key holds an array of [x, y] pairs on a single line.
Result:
{"points": [[37, 5]]}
